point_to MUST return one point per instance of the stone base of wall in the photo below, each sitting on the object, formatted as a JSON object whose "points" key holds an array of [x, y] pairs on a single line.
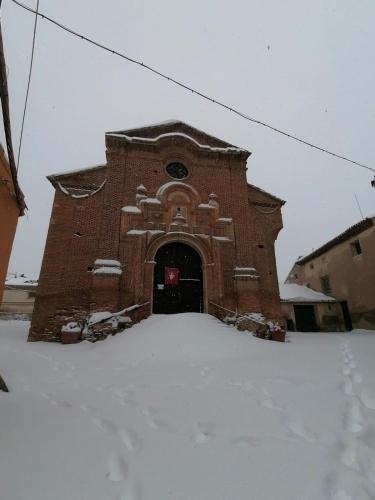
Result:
{"points": [[252, 322], [79, 316], [365, 320]]}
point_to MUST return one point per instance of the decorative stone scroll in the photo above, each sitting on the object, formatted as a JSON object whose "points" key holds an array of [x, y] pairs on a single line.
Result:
{"points": [[176, 207]]}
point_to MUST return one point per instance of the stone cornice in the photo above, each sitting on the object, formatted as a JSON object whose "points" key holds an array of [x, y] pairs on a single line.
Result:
{"points": [[123, 140]]}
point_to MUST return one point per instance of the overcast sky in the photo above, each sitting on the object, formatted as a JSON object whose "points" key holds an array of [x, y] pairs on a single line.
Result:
{"points": [[303, 66]]}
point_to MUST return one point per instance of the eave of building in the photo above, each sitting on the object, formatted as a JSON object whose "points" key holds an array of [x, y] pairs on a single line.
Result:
{"points": [[53, 178], [19, 196], [282, 202], [305, 301], [349, 233], [155, 140], [143, 131], [25, 286]]}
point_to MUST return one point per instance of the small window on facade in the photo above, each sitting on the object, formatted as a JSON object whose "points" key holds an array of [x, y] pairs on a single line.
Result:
{"points": [[311, 266], [177, 170], [325, 284], [356, 248]]}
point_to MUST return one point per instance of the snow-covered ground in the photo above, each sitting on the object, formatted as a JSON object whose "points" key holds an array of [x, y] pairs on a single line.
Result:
{"points": [[185, 408]]}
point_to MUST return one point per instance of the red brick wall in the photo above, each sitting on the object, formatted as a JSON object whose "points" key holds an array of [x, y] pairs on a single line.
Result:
{"points": [[64, 283]]}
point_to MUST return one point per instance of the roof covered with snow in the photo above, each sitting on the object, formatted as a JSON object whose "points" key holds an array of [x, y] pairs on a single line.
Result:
{"points": [[354, 230], [154, 132], [52, 177], [21, 281], [300, 293]]}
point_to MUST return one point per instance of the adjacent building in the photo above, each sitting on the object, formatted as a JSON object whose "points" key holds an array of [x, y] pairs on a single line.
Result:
{"points": [[344, 268], [306, 310], [12, 205], [19, 297], [169, 224]]}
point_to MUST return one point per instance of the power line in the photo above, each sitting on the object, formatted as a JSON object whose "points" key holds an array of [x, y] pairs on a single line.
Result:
{"points": [[28, 85], [186, 87]]}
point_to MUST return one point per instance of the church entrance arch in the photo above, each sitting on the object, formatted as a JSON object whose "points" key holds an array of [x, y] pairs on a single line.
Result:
{"points": [[178, 281]]}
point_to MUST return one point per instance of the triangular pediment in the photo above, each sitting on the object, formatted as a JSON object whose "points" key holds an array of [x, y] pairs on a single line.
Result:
{"points": [[156, 130]]}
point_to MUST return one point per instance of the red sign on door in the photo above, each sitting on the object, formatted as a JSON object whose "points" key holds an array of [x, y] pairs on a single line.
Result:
{"points": [[171, 275]]}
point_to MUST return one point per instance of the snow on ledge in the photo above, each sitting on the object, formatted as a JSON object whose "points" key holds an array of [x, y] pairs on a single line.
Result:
{"points": [[246, 272], [136, 232], [131, 210], [150, 201], [107, 262], [86, 195], [221, 238], [178, 134], [206, 206], [107, 270]]}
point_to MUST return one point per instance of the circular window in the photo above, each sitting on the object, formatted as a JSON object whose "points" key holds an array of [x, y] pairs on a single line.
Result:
{"points": [[177, 170]]}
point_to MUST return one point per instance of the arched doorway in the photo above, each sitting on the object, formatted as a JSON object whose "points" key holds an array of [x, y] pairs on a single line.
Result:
{"points": [[178, 284]]}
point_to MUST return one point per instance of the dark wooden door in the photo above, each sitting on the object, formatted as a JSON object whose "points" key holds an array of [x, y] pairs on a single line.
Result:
{"points": [[346, 314], [187, 295], [305, 318]]}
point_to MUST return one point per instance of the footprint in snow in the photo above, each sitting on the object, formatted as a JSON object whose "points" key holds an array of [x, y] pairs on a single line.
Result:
{"points": [[156, 423], [128, 436], [246, 441], [55, 402], [204, 371], [125, 397], [347, 386], [204, 432], [333, 489], [49, 397], [118, 468], [88, 408], [353, 419], [349, 457], [267, 401], [360, 459], [131, 492], [130, 439], [367, 400], [297, 429], [105, 425], [346, 370], [208, 380]]}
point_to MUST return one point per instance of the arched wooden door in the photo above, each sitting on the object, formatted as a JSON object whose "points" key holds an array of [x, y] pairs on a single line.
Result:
{"points": [[178, 284]]}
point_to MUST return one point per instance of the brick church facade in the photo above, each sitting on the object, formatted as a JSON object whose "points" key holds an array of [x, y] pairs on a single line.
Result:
{"points": [[171, 202]]}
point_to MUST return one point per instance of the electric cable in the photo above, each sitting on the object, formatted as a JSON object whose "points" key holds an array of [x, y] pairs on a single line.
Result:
{"points": [[190, 89], [28, 85]]}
